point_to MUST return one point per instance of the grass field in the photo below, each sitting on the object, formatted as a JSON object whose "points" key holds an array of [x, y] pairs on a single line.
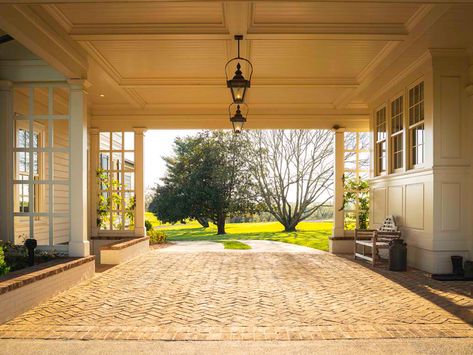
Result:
{"points": [[234, 244], [311, 234]]}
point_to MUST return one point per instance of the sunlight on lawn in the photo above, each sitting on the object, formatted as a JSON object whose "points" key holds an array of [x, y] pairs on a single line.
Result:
{"points": [[310, 234], [234, 244]]}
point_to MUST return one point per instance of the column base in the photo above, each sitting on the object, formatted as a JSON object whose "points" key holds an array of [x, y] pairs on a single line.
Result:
{"points": [[79, 249], [140, 232], [338, 232], [341, 245]]}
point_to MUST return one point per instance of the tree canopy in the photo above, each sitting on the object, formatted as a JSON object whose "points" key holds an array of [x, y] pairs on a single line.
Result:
{"points": [[207, 179], [294, 172]]}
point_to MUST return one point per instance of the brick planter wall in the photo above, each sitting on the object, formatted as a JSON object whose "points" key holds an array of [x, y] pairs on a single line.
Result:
{"points": [[20, 290]]}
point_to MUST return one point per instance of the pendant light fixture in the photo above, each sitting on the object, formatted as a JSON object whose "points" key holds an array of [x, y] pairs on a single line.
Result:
{"points": [[238, 84], [237, 117]]}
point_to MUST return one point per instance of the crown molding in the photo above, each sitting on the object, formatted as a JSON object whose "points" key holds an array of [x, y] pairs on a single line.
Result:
{"points": [[403, 74], [422, 24], [38, 31], [448, 52], [59, 16]]}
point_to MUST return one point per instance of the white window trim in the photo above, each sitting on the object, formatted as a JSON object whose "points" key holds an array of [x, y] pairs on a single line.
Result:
{"points": [[377, 142], [401, 132], [410, 127], [29, 122], [123, 190]]}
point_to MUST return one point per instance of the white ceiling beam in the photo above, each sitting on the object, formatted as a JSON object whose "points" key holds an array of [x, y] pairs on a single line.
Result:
{"points": [[325, 121], [256, 82], [39, 33], [322, 1]]}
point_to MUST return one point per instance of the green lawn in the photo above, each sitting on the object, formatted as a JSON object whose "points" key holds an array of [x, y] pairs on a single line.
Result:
{"points": [[234, 244], [310, 234]]}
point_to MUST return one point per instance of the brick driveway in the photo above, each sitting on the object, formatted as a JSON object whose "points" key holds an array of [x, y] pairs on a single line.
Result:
{"points": [[250, 296]]}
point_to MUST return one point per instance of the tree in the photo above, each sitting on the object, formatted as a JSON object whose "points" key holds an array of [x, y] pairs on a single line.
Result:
{"points": [[207, 179], [294, 172]]}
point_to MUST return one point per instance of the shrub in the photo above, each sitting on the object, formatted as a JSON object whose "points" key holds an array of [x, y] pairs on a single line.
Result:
{"points": [[16, 256], [148, 225], [156, 236], [4, 268]]}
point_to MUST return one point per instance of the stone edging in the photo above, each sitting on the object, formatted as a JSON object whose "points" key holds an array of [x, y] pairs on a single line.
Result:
{"points": [[23, 277], [122, 244]]}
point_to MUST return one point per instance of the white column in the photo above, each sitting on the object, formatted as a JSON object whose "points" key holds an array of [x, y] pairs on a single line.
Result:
{"points": [[93, 184], [139, 182], [6, 144], [78, 244], [338, 219]]}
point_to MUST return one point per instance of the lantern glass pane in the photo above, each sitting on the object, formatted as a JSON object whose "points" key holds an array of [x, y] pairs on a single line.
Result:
{"points": [[238, 94]]}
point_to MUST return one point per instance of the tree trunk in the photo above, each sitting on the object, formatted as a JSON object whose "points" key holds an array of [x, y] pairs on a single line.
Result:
{"points": [[221, 224], [290, 226], [203, 222]]}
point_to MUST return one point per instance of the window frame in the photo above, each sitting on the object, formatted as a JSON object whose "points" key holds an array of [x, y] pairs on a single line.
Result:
{"points": [[400, 133], [380, 142], [357, 171], [411, 127], [40, 220], [38, 193], [120, 172]]}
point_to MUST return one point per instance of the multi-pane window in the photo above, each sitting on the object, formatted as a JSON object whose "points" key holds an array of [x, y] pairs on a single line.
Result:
{"points": [[23, 169], [41, 181], [397, 132], [356, 172], [381, 145], [116, 175], [416, 124]]}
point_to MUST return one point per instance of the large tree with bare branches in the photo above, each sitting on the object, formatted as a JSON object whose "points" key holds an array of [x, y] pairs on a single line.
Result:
{"points": [[294, 172]]}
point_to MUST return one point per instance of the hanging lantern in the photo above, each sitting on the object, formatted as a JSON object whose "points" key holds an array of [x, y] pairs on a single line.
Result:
{"points": [[238, 84], [237, 117]]}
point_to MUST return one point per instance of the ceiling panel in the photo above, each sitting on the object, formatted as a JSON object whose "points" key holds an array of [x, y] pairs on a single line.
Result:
{"points": [[316, 13], [185, 95], [141, 13], [314, 58], [294, 95], [102, 84], [165, 58]]}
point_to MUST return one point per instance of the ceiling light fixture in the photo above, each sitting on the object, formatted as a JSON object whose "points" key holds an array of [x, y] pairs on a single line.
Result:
{"points": [[238, 84], [237, 118]]}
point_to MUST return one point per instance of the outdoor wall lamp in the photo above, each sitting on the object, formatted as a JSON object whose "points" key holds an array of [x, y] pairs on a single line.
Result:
{"points": [[238, 84], [237, 118]]}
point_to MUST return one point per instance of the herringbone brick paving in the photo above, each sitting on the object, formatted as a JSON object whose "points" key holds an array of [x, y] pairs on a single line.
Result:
{"points": [[250, 296]]}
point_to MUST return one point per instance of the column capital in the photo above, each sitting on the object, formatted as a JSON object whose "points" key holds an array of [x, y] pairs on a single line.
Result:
{"points": [[79, 84], [5, 85], [140, 130], [94, 131], [338, 129]]}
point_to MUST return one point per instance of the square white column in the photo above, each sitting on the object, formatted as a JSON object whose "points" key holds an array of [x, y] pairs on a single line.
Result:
{"points": [[6, 156], [139, 182], [338, 216], [78, 243], [93, 183]]}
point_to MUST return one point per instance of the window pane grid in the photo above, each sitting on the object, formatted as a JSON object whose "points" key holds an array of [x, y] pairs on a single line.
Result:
{"points": [[416, 124], [116, 190], [397, 135], [38, 129], [357, 166]]}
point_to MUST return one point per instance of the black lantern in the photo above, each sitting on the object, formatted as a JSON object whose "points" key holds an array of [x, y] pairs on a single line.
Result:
{"points": [[237, 117], [238, 84]]}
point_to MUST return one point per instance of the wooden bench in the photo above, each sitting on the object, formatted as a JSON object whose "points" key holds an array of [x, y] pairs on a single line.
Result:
{"points": [[374, 240]]}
